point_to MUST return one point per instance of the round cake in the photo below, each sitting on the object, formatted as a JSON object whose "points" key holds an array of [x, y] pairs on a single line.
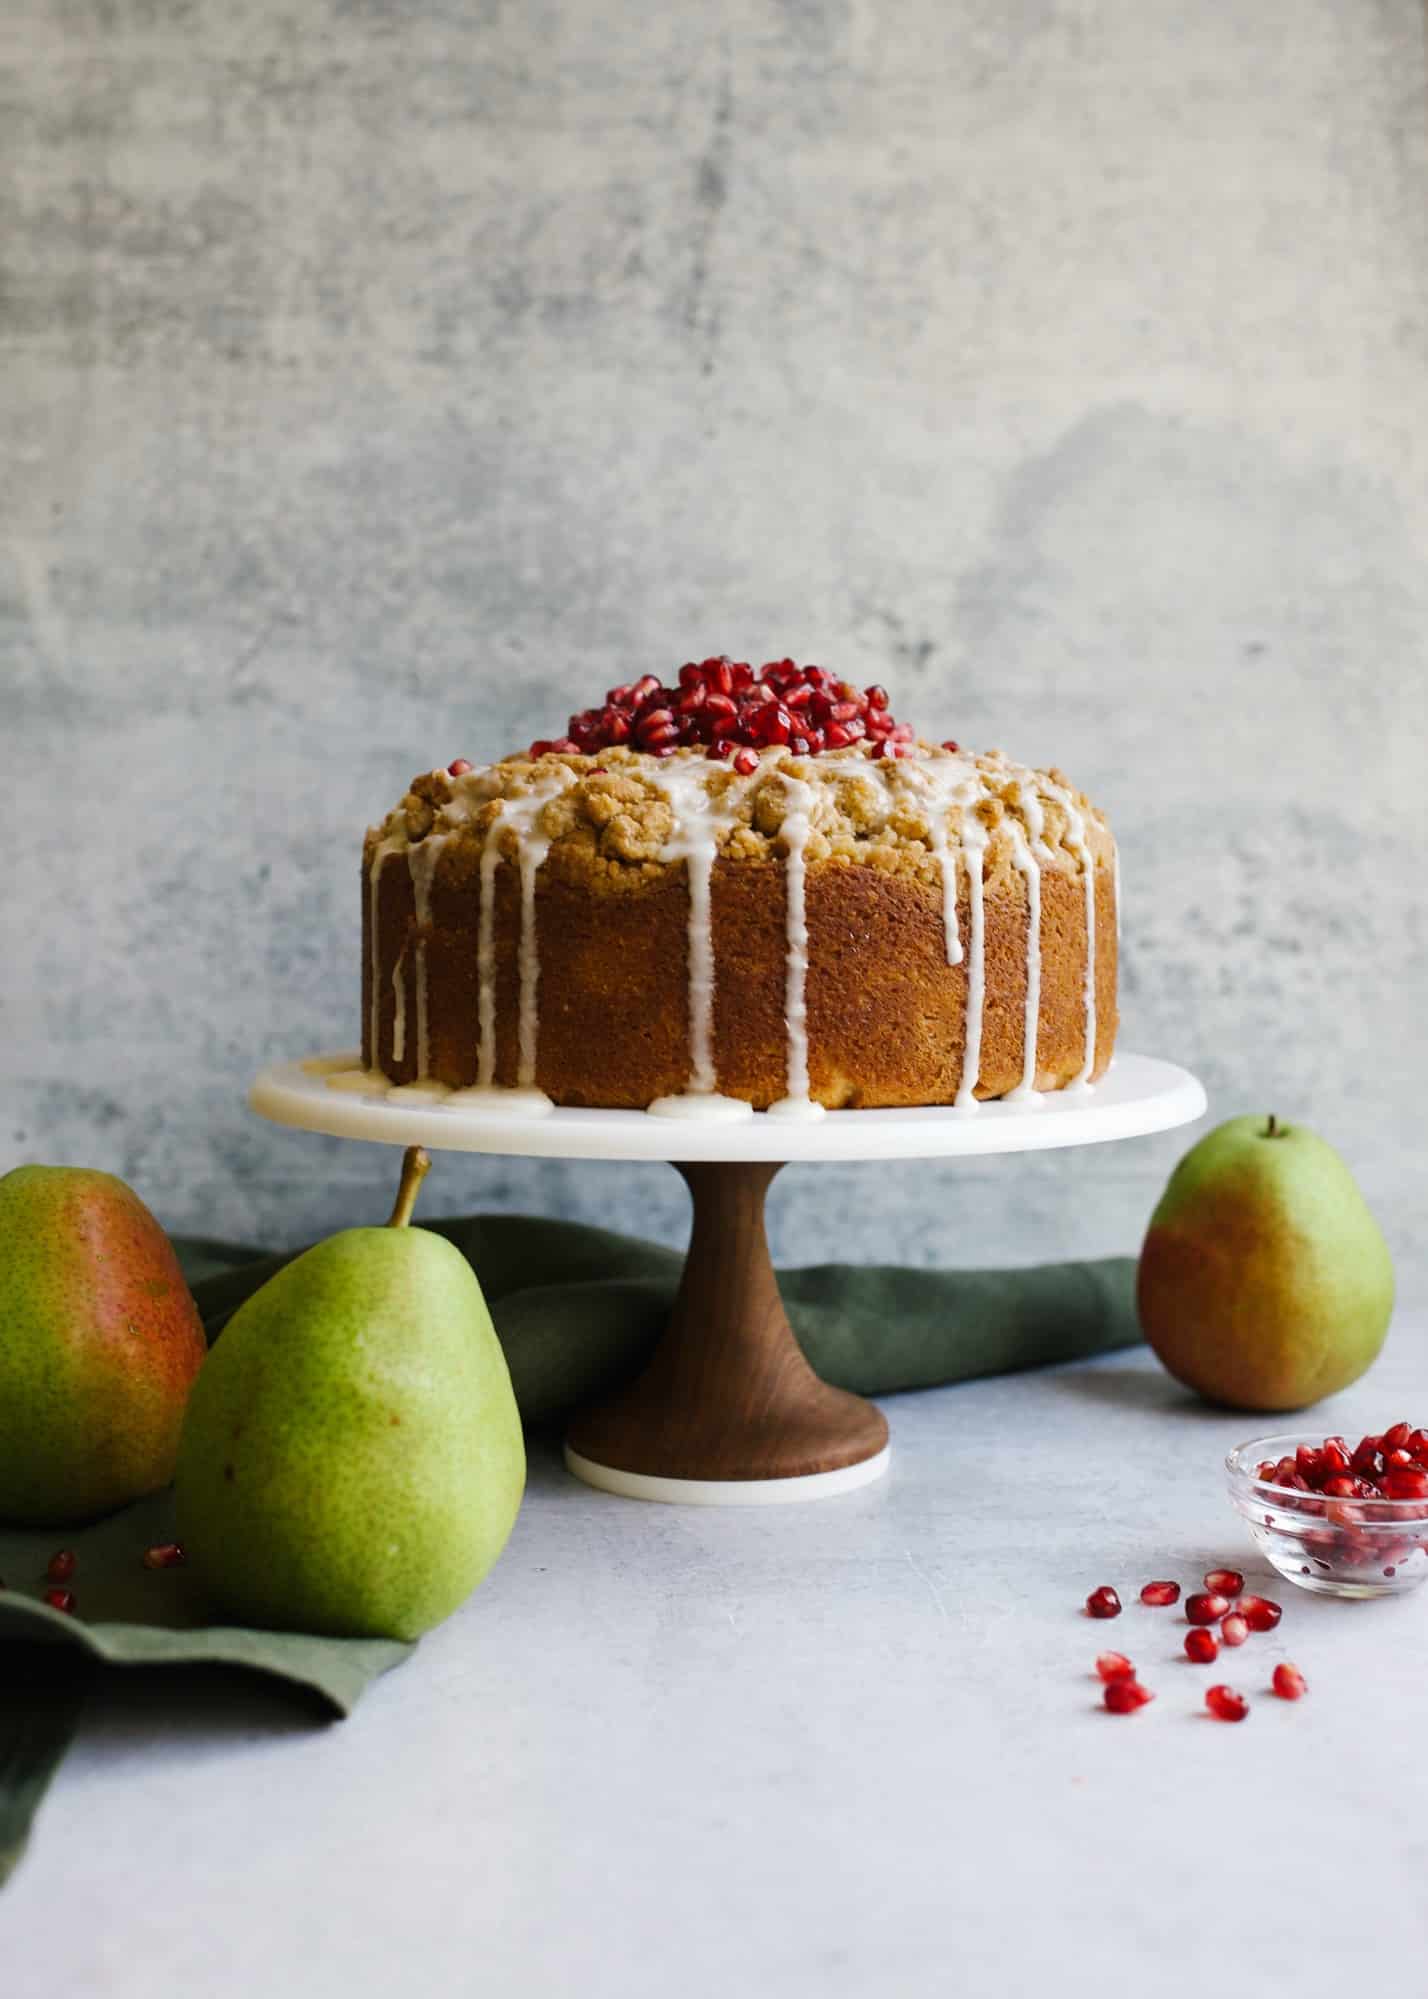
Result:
{"points": [[754, 890]]}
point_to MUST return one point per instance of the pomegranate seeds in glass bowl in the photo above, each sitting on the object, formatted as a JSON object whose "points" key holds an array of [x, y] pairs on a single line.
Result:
{"points": [[1334, 1517]]}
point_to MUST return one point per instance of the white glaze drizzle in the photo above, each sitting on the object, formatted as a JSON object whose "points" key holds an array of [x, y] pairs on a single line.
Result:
{"points": [[794, 832], [1080, 847], [422, 861], [942, 783], [700, 821], [399, 1007], [974, 847], [521, 818], [383, 849]]}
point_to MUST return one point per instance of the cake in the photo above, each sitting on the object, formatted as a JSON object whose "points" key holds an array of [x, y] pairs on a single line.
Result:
{"points": [[749, 891]]}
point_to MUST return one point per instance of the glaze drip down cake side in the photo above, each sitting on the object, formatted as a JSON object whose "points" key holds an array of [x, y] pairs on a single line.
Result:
{"points": [[750, 890]]}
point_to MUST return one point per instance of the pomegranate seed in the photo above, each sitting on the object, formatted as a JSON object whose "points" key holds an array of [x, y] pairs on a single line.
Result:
{"points": [[1260, 1613], [1224, 1582], [1340, 1486], [836, 736], [164, 1555], [1233, 1629], [1395, 1460], [1405, 1482], [61, 1565], [60, 1599], [950, 745], [1264, 1470], [1309, 1463], [1114, 1666], [1159, 1594], [1289, 1683], [877, 696], [746, 762], [1124, 1696], [1103, 1602], [458, 769], [1225, 1704], [538, 749], [1396, 1438], [1337, 1456], [1205, 1608], [646, 685], [1202, 1646]]}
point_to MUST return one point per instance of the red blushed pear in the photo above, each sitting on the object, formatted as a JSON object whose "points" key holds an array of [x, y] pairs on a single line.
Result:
{"points": [[100, 1342], [1264, 1282]]}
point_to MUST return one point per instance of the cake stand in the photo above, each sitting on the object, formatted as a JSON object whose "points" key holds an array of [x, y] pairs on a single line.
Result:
{"points": [[727, 1412]]}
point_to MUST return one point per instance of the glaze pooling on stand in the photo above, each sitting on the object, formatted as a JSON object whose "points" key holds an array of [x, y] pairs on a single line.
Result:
{"points": [[954, 805]]}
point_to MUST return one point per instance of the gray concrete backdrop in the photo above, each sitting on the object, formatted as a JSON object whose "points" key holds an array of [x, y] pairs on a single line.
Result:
{"points": [[383, 378]]}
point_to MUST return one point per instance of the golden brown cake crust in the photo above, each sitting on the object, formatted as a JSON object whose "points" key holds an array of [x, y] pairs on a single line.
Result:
{"points": [[886, 1011]]}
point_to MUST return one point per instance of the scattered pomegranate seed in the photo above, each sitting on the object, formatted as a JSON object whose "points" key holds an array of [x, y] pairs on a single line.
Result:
{"points": [[1159, 1594], [1233, 1629], [1224, 1582], [459, 768], [1289, 1683], [61, 1565], [746, 762], [950, 745], [1103, 1602], [1201, 1645], [1124, 1696], [164, 1555], [1260, 1613], [60, 1599], [1205, 1608], [1114, 1666], [1225, 1704]]}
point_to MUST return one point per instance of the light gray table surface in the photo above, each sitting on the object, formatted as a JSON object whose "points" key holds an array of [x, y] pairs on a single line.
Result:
{"points": [[843, 1748]]}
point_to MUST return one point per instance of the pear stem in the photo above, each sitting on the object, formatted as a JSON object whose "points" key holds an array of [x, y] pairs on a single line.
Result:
{"points": [[415, 1166]]}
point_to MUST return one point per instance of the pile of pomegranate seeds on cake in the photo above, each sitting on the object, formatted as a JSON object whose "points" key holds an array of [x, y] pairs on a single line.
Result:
{"points": [[1393, 1466], [1221, 1602], [724, 707]]}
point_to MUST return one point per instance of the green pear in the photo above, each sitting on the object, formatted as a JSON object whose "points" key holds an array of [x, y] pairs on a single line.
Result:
{"points": [[1264, 1282], [100, 1342], [352, 1460]]}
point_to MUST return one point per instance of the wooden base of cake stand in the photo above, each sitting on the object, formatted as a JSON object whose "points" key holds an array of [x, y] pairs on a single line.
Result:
{"points": [[727, 1411]]}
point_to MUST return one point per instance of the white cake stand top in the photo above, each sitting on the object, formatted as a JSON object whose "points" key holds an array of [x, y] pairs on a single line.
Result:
{"points": [[1139, 1095]]}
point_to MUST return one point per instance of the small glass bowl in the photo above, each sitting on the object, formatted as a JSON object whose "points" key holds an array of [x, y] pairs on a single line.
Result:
{"points": [[1333, 1547]]}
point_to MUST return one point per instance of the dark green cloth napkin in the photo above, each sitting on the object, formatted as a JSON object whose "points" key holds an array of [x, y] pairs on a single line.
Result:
{"points": [[577, 1309]]}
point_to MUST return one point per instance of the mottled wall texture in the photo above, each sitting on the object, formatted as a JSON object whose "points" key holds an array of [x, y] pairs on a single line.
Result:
{"points": [[382, 378]]}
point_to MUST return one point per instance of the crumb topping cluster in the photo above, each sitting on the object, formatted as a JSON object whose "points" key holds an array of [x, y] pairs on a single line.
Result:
{"points": [[613, 817]]}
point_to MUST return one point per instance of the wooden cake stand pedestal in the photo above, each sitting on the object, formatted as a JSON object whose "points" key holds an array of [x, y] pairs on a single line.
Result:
{"points": [[727, 1412]]}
